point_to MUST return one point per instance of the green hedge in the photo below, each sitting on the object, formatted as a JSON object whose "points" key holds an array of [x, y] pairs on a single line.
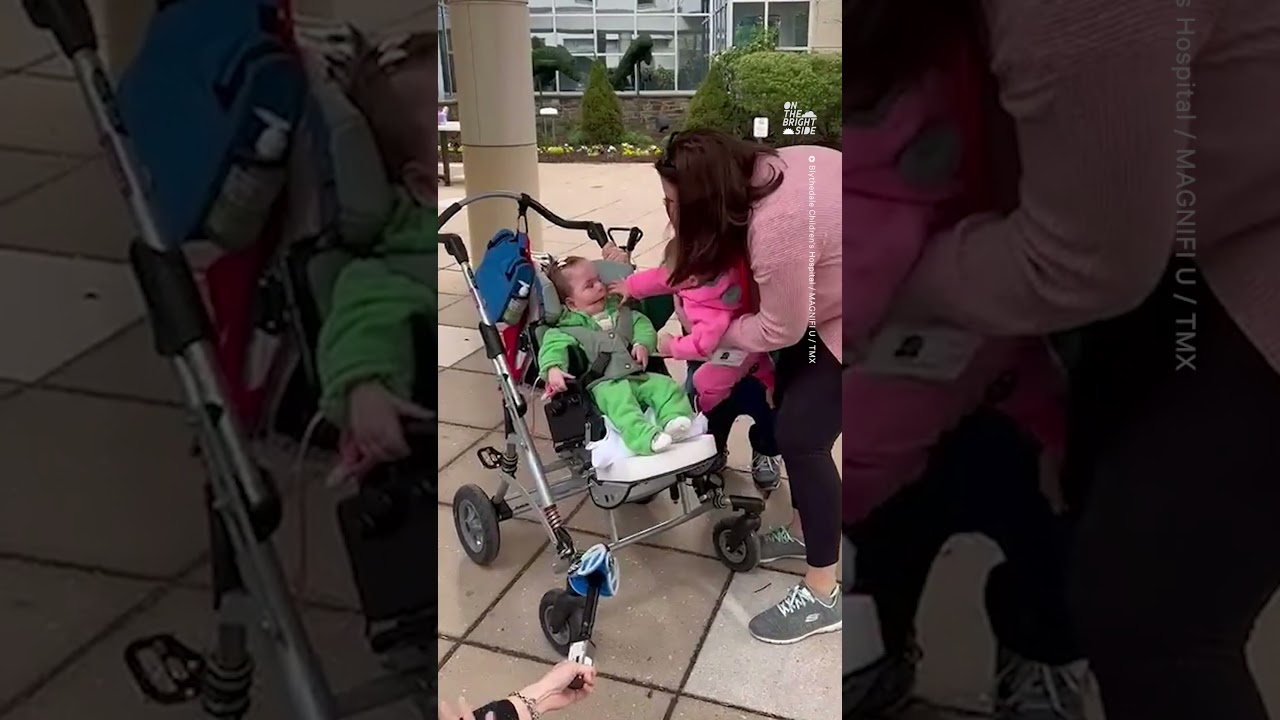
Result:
{"points": [[755, 80], [601, 110]]}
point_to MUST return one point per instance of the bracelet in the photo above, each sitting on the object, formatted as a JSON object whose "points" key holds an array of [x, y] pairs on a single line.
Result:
{"points": [[531, 705]]}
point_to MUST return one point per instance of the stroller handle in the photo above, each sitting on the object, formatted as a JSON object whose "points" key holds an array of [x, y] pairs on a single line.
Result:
{"points": [[596, 231], [68, 20]]}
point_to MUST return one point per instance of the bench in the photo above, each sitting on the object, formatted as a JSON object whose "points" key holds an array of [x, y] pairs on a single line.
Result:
{"points": [[446, 129]]}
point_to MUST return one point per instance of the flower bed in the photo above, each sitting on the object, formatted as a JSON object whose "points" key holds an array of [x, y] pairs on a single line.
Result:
{"points": [[585, 153]]}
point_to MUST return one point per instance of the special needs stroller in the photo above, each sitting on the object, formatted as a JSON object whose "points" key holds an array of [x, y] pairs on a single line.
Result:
{"points": [[243, 104], [507, 274]]}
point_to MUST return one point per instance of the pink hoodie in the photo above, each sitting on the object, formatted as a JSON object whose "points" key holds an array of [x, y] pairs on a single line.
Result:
{"points": [[909, 166], [706, 311]]}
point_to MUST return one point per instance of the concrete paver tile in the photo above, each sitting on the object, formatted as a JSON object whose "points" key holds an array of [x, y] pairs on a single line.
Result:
{"points": [[466, 589], [80, 214], [49, 613], [455, 343], [647, 633], [126, 365], [20, 43], [453, 442], [466, 469], [53, 117], [774, 674], [98, 686], [20, 171], [53, 308], [690, 709], [462, 314], [470, 399], [98, 482], [483, 676]]}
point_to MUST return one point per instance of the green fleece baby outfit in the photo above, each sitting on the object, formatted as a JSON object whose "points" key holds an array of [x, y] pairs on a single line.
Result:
{"points": [[368, 332], [624, 390]]}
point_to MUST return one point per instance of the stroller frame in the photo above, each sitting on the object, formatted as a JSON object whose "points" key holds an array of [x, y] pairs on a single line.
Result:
{"points": [[567, 618], [245, 507]]}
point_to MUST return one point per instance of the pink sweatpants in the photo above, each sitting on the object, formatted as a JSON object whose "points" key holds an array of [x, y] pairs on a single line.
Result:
{"points": [[714, 382]]}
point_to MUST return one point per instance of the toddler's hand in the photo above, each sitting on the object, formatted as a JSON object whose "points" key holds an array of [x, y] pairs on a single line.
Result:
{"points": [[557, 381], [373, 416], [620, 289], [640, 353], [613, 253], [664, 343], [768, 397]]}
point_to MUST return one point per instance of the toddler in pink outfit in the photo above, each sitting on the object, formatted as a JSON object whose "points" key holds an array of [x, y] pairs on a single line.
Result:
{"points": [[705, 310], [912, 166]]}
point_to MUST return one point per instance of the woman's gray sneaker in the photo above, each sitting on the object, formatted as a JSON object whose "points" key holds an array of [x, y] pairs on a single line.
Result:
{"points": [[766, 471], [1027, 690], [780, 544], [883, 689], [800, 615]]}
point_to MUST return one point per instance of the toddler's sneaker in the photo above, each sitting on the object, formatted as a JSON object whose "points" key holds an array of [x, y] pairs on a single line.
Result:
{"points": [[766, 471], [801, 614], [678, 428], [1028, 690], [780, 544], [660, 442]]}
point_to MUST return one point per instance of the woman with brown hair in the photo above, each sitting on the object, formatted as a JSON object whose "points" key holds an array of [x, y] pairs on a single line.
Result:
{"points": [[1147, 210], [731, 200]]}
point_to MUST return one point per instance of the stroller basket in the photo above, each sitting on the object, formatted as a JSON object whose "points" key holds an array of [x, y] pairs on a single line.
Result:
{"points": [[688, 472]]}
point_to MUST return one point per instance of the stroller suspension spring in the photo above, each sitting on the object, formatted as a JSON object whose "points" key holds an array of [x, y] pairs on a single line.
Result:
{"points": [[552, 513], [226, 689]]}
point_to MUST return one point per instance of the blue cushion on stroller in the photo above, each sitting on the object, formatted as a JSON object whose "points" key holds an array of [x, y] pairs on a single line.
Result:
{"points": [[197, 98], [502, 270]]}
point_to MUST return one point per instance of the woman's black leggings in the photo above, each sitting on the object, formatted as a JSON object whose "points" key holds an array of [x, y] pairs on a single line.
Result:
{"points": [[982, 478], [807, 424], [1178, 539]]}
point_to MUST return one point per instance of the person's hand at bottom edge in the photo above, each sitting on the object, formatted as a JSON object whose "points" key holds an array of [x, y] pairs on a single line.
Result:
{"points": [[552, 692]]}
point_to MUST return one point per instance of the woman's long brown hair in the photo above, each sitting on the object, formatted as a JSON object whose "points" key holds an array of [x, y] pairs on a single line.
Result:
{"points": [[888, 42], [712, 172]]}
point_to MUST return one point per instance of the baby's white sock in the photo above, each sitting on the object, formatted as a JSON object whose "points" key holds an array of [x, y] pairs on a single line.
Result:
{"points": [[660, 442], [678, 428]]}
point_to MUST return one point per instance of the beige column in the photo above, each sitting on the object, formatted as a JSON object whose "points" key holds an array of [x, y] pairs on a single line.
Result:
{"points": [[123, 22], [826, 25], [494, 72]]}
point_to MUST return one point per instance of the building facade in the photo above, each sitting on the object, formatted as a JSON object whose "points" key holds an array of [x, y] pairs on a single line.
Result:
{"points": [[685, 34]]}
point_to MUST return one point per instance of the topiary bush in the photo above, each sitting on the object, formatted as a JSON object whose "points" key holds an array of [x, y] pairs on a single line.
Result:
{"points": [[755, 79], [601, 111], [711, 106], [765, 81]]}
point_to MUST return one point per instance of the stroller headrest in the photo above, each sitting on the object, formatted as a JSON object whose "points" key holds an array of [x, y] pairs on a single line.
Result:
{"points": [[610, 272], [362, 194]]}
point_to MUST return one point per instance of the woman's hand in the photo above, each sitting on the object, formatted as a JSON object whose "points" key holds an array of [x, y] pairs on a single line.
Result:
{"points": [[640, 353], [613, 253], [552, 692]]}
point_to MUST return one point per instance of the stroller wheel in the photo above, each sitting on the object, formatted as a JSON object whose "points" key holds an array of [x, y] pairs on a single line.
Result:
{"points": [[739, 555], [476, 522], [560, 614]]}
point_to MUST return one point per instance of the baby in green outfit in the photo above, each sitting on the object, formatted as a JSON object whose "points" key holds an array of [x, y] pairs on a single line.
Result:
{"points": [[600, 324]]}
